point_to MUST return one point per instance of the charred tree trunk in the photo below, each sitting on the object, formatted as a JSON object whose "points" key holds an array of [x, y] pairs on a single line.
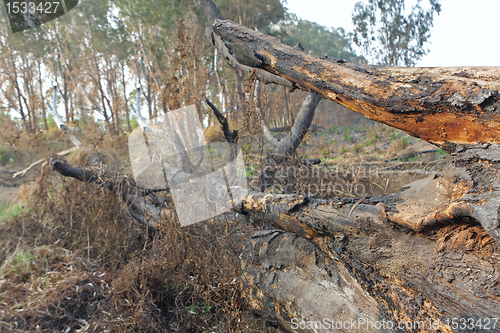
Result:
{"points": [[426, 254], [345, 260], [450, 107], [444, 106]]}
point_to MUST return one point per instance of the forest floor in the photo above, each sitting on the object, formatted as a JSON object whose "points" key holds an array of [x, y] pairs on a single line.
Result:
{"points": [[73, 262]]}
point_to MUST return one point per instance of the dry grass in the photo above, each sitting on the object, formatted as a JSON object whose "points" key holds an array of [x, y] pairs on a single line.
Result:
{"points": [[213, 133], [76, 261]]}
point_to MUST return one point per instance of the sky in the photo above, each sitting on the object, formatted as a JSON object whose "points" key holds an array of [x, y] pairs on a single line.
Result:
{"points": [[464, 33]]}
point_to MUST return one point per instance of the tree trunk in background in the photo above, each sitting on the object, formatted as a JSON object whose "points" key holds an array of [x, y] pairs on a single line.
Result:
{"points": [[42, 99], [127, 116], [240, 92]]}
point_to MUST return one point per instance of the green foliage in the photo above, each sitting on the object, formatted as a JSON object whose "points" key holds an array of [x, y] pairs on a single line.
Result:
{"points": [[324, 151], [250, 170], [441, 154], [394, 136], [390, 34], [260, 14], [133, 123], [372, 139], [9, 212], [346, 136], [200, 306], [22, 263], [51, 123], [342, 150], [7, 155], [316, 39], [3, 117]]}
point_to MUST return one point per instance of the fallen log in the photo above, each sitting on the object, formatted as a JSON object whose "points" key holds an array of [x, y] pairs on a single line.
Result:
{"points": [[454, 108], [374, 279], [419, 254], [344, 260], [444, 106]]}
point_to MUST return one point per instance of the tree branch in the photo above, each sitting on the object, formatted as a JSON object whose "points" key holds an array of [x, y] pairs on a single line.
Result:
{"points": [[444, 106]]}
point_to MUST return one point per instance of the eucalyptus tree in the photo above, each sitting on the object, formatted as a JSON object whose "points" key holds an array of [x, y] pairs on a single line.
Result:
{"points": [[19, 64], [315, 38], [390, 33]]}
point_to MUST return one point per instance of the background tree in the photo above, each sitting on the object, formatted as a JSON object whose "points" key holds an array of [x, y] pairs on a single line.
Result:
{"points": [[315, 38], [99, 52], [391, 34], [257, 14]]}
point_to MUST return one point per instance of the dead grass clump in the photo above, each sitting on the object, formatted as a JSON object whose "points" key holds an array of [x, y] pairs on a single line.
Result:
{"points": [[9, 131], [86, 219], [53, 133], [76, 260], [213, 133], [84, 155], [46, 289], [398, 146], [184, 282]]}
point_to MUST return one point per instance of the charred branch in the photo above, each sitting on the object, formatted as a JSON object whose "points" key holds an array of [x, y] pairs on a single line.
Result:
{"points": [[120, 185], [231, 136], [444, 106]]}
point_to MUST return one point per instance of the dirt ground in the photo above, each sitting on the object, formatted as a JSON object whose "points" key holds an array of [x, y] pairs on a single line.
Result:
{"points": [[9, 186]]}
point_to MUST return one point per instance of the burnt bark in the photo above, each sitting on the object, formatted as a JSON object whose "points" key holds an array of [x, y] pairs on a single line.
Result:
{"points": [[369, 273], [444, 106], [345, 260], [451, 107]]}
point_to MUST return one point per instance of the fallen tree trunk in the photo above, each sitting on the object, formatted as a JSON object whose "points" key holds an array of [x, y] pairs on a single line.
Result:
{"points": [[439, 275], [451, 107], [344, 260], [414, 261], [444, 106], [374, 279]]}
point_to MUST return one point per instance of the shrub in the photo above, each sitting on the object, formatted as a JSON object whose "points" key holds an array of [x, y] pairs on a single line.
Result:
{"points": [[51, 123], [7, 155], [133, 123]]}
